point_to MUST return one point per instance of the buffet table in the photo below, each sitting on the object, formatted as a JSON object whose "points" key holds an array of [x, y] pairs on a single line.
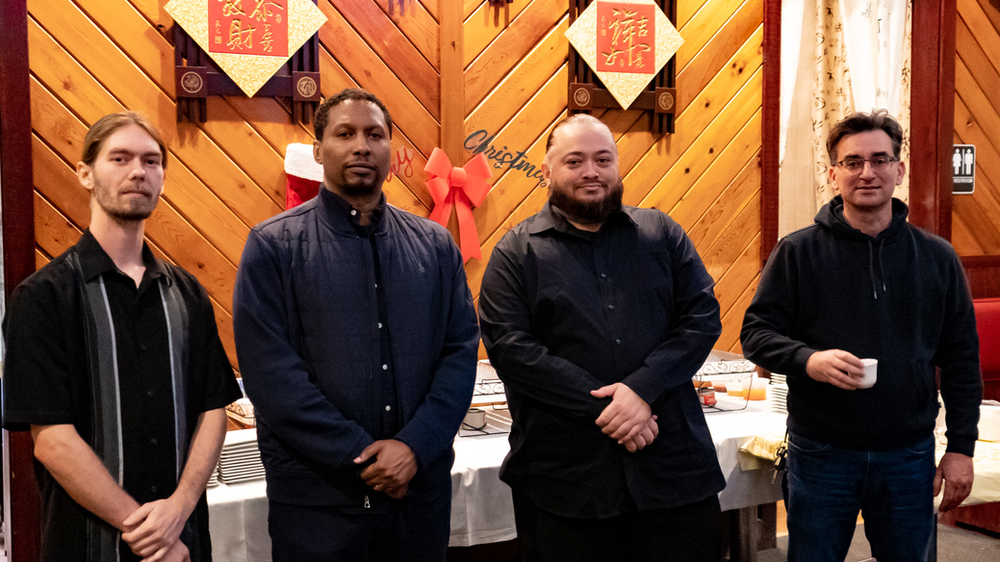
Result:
{"points": [[482, 511]]}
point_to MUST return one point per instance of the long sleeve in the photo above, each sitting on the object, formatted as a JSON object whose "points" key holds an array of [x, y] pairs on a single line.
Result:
{"points": [[958, 358], [436, 421], [519, 357], [276, 378], [695, 331], [770, 316]]}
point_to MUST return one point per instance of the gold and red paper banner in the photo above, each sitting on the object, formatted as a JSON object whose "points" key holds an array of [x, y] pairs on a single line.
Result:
{"points": [[626, 43], [249, 39], [459, 188]]}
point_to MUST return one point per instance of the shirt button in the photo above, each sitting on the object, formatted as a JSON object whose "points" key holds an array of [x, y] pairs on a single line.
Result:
{"points": [[149, 393], [385, 367], [388, 408], [611, 307], [142, 346], [153, 489], [619, 342], [153, 441], [604, 276], [379, 325], [354, 212]]}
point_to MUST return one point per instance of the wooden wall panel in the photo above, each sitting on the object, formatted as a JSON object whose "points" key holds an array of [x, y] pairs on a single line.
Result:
{"points": [[976, 230], [92, 57], [706, 175]]}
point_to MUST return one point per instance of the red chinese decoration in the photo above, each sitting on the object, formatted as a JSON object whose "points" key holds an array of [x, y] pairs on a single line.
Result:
{"points": [[626, 38], [248, 27], [461, 188]]}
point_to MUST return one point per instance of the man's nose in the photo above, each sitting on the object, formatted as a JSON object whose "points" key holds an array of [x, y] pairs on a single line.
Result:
{"points": [[138, 171], [867, 169], [589, 169], [361, 145]]}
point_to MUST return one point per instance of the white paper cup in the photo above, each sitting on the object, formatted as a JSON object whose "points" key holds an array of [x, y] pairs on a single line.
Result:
{"points": [[871, 373]]}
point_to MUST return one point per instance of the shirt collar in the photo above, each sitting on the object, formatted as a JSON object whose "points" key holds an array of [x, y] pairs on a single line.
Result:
{"points": [[95, 261], [340, 207], [550, 218]]}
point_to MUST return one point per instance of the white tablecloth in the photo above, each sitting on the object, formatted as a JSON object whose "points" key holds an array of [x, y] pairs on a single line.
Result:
{"points": [[482, 510]]}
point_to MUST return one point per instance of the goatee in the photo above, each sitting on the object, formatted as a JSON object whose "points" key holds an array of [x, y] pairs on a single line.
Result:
{"points": [[585, 211]]}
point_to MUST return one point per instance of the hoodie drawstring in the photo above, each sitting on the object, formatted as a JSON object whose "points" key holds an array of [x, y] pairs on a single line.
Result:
{"points": [[871, 268], [881, 268]]}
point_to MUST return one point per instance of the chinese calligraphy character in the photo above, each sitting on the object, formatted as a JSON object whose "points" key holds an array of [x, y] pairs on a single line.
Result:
{"points": [[239, 37], [267, 39], [263, 10], [626, 28], [232, 8]]}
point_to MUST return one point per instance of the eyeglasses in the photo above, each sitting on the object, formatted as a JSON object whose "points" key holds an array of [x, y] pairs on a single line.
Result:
{"points": [[855, 165]]}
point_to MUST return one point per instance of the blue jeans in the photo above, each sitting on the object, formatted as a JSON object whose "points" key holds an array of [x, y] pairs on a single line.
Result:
{"points": [[827, 486]]}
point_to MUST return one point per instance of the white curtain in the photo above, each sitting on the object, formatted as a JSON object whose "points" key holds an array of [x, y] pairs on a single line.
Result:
{"points": [[837, 57]]}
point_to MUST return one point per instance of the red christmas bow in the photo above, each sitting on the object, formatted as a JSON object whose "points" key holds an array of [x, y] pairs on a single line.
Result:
{"points": [[462, 188]]}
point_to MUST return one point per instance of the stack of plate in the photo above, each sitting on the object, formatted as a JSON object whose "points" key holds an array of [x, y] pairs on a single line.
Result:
{"points": [[779, 393], [240, 459], [213, 480]]}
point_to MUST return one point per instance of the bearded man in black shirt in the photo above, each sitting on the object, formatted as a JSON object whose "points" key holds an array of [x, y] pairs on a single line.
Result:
{"points": [[596, 316]]}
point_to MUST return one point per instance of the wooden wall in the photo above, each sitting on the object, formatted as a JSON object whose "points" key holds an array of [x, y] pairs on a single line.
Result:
{"points": [[975, 228], [92, 57], [976, 217]]}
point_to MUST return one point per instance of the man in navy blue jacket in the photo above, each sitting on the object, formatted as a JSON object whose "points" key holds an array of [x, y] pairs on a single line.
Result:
{"points": [[357, 341]]}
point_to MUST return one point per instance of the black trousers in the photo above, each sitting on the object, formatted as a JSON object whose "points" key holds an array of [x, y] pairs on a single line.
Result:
{"points": [[414, 529], [689, 533]]}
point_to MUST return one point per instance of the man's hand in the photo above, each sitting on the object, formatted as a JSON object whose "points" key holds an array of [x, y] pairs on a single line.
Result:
{"points": [[154, 527], [398, 492], [836, 367], [176, 552], [626, 416], [956, 471], [644, 437], [394, 466]]}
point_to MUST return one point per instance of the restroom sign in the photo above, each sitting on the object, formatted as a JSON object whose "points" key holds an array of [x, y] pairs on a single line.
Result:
{"points": [[963, 167]]}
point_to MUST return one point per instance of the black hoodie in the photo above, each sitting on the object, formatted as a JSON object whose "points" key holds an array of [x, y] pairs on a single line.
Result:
{"points": [[900, 297]]}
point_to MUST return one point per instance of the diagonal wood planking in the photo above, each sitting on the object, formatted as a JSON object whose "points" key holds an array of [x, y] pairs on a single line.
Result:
{"points": [[707, 175], [977, 122], [91, 57]]}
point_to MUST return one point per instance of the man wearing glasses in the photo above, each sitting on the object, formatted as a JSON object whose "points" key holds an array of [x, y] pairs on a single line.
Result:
{"points": [[864, 283]]}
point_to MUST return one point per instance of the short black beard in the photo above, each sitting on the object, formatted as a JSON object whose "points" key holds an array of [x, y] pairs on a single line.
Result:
{"points": [[587, 212]]}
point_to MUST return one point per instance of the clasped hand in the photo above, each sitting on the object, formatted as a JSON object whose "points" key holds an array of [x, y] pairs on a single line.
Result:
{"points": [[628, 419], [395, 465], [153, 531]]}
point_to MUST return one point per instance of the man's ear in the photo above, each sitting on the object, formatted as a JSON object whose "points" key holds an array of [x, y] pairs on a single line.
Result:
{"points": [[85, 174], [317, 152], [900, 172]]}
